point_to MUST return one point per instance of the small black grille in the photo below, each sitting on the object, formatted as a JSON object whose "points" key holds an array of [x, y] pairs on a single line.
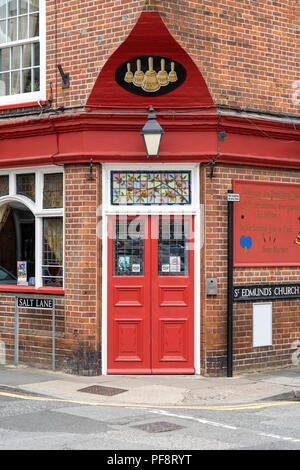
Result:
{"points": [[100, 390]]}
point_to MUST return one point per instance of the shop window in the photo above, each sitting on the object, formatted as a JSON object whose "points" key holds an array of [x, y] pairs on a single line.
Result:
{"points": [[20, 50], [31, 228], [17, 236]]}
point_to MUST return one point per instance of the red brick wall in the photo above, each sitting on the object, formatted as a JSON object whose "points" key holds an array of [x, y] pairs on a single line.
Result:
{"points": [[82, 264], [286, 313], [247, 50]]}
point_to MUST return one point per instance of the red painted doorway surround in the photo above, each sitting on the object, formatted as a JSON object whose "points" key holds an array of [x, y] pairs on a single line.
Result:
{"points": [[150, 295]]}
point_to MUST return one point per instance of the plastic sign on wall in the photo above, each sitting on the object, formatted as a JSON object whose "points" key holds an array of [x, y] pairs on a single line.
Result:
{"points": [[266, 224]]}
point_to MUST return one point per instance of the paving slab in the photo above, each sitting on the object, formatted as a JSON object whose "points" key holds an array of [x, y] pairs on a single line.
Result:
{"points": [[155, 390]]}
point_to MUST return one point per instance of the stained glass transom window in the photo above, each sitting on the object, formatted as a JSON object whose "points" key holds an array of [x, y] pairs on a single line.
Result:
{"points": [[53, 191], [26, 185], [4, 185], [147, 187]]}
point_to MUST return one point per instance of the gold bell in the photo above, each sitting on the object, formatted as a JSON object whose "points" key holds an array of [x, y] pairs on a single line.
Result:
{"points": [[139, 74], [150, 82], [162, 75], [129, 75], [172, 74]]}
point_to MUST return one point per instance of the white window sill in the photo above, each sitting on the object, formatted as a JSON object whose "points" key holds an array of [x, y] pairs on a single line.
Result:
{"points": [[21, 99]]}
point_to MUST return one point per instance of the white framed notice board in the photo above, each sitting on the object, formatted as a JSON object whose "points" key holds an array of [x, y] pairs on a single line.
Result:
{"points": [[262, 324]]}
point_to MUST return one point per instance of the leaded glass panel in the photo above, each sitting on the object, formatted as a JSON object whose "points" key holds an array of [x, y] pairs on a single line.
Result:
{"points": [[4, 185], [53, 252], [147, 187], [173, 247], [26, 185], [53, 191], [128, 247]]}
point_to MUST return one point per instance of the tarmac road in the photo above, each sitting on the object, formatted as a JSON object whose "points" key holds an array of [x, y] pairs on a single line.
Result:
{"points": [[32, 416]]}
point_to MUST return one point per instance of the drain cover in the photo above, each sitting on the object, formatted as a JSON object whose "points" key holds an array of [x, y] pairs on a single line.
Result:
{"points": [[100, 390], [159, 426]]}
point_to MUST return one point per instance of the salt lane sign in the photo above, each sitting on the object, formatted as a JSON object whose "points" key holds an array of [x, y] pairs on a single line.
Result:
{"points": [[266, 292], [35, 303]]}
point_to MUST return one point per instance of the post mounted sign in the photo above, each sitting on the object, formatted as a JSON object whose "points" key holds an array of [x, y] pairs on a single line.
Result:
{"points": [[35, 303]]}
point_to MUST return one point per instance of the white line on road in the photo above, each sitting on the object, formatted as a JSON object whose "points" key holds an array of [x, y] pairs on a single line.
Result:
{"points": [[282, 438], [221, 425], [199, 420]]}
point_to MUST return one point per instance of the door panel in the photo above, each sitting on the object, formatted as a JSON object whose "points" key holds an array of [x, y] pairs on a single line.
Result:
{"points": [[151, 295], [128, 296], [172, 295]]}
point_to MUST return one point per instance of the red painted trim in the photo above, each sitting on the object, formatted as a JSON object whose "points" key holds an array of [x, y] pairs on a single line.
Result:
{"points": [[75, 138], [178, 371], [129, 371], [32, 290], [23, 105]]}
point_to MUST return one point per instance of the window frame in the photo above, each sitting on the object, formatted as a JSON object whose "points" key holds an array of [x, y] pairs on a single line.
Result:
{"points": [[34, 96], [39, 213]]}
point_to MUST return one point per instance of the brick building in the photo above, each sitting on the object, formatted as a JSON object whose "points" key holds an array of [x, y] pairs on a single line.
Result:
{"points": [[150, 268]]}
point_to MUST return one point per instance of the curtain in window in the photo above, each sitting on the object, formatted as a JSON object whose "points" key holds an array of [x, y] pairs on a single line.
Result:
{"points": [[4, 213], [53, 241]]}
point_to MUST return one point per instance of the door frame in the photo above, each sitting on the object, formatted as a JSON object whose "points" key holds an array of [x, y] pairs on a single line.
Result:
{"points": [[193, 209]]}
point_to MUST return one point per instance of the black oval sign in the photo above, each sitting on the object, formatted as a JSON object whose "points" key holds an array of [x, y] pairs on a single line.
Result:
{"points": [[150, 75]]}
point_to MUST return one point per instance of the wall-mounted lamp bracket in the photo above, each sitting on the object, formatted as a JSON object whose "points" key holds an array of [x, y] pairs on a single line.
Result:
{"points": [[212, 166], [91, 178], [65, 77]]}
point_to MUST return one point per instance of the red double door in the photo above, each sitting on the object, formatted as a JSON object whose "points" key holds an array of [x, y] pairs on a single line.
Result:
{"points": [[150, 295]]}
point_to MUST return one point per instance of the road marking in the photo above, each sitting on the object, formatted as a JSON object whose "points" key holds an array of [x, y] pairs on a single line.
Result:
{"points": [[222, 425], [248, 406], [282, 438], [199, 420]]}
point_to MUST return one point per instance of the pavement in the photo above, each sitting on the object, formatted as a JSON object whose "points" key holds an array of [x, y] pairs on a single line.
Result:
{"points": [[153, 390]]}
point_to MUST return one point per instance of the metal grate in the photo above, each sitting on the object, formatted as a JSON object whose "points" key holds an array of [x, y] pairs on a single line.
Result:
{"points": [[159, 426], [101, 390]]}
